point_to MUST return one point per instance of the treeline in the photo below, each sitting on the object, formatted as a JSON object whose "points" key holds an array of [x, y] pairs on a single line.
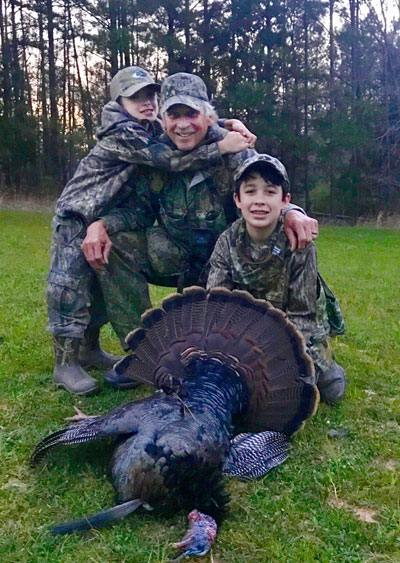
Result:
{"points": [[317, 81]]}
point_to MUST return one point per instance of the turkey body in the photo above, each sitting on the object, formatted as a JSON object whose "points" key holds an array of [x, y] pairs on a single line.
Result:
{"points": [[171, 447], [180, 443]]}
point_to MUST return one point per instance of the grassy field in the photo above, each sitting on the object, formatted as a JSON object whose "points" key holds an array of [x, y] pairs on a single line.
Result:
{"points": [[333, 500]]}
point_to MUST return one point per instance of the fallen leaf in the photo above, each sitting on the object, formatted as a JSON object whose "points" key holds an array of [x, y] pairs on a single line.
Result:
{"points": [[365, 514], [393, 425], [15, 483], [337, 503]]}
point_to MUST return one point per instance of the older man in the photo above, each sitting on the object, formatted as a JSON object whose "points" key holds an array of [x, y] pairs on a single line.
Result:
{"points": [[176, 218]]}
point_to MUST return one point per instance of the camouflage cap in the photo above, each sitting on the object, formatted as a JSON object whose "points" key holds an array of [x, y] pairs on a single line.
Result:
{"points": [[267, 161], [130, 80], [183, 88]]}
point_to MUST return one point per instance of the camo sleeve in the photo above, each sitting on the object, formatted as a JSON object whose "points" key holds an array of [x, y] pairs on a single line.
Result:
{"points": [[303, 295], [220, 271], [135, 145], [138, 211]]}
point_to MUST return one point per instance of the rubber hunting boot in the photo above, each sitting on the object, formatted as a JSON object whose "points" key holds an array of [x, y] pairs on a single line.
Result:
{"points": [[67, 371], [119, 380], [91, 355], [332, 384]]}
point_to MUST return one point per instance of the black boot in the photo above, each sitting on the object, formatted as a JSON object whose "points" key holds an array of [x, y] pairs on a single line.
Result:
{"points": [[91, 355], [67, 371], [119, 380]]}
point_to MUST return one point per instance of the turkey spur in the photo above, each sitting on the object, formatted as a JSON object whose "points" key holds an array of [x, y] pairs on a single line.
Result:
{"points": [[216, 358]]}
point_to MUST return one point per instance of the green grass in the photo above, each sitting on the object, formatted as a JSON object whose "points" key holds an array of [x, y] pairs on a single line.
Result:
{"points": [[302, 512]]}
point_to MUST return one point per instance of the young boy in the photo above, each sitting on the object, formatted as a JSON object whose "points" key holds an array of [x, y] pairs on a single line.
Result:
{"points": [[96, 203], [254, 255]]}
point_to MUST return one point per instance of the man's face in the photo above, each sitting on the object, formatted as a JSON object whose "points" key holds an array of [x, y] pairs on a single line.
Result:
{"points": [[185, 126]]}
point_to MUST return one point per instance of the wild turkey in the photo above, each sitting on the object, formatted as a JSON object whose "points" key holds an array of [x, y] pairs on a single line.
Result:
{"points": [[213, 357]]}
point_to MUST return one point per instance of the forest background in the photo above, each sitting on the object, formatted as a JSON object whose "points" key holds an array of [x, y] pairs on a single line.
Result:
{"points": [[317, 81]]}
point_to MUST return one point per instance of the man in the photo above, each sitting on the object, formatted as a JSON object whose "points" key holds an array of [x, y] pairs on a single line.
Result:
{"points": [[190, 209]]}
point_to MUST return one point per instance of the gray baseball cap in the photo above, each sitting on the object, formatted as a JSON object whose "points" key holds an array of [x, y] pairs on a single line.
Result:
{"points": [[267, 161], [130, 80], [183, 88]]}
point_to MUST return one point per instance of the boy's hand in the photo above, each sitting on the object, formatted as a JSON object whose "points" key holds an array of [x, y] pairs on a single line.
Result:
{"points": [[239, 127], [233, 142], [300, 229], [96, 245]]}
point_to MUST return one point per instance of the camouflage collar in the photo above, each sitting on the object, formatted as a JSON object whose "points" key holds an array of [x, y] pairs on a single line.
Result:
{"points": [[275, 245]]}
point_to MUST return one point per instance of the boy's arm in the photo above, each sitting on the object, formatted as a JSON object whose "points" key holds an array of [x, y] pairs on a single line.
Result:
{"points": [[138, 211], [135, 145], [301, 307], [220, 274]]}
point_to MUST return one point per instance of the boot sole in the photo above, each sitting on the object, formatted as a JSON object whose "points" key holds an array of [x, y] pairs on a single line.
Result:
{"points": [[122, 385], [88, 392], [96, 367]]}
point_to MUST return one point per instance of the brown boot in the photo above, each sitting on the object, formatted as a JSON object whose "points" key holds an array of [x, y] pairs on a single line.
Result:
{"points": [[91, 355], [67, 371]]}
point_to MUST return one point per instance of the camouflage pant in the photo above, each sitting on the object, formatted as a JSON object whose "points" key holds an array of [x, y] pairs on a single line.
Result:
{"points": [[74, 298], [138, 258], [322, 356]]}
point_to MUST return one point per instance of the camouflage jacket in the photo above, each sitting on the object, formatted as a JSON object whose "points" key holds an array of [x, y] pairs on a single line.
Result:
{"points": [[193, 207], [100, 183], [289, 280]]}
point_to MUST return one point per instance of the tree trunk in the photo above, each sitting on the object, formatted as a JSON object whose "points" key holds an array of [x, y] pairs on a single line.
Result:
{"points": [[331, 102], [112, 12], [306, 109], [6, 60], [54, 141]]}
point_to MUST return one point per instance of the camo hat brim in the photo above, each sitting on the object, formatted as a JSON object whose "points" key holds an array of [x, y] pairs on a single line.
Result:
{"points": [[130, 80], [267, 161], [183, 88]]}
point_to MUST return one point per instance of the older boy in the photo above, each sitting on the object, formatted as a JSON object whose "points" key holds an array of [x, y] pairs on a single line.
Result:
{"points": [[254, 255], [97, 201]]}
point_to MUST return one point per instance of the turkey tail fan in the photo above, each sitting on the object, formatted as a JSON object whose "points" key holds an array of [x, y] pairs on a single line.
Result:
{"points": [[193, 310], [250, 335], [217, 300], [134, 367], [240, 311], [157, 334]]}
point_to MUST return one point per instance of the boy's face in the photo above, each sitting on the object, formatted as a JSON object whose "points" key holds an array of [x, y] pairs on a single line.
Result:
{"points": [[142, 105], [186, 126], [261, 204]]}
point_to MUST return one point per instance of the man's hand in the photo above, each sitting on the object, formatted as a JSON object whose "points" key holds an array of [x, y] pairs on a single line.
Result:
{"points": [[300, 229], [232, 143], [239, 127], [96, 245]]}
